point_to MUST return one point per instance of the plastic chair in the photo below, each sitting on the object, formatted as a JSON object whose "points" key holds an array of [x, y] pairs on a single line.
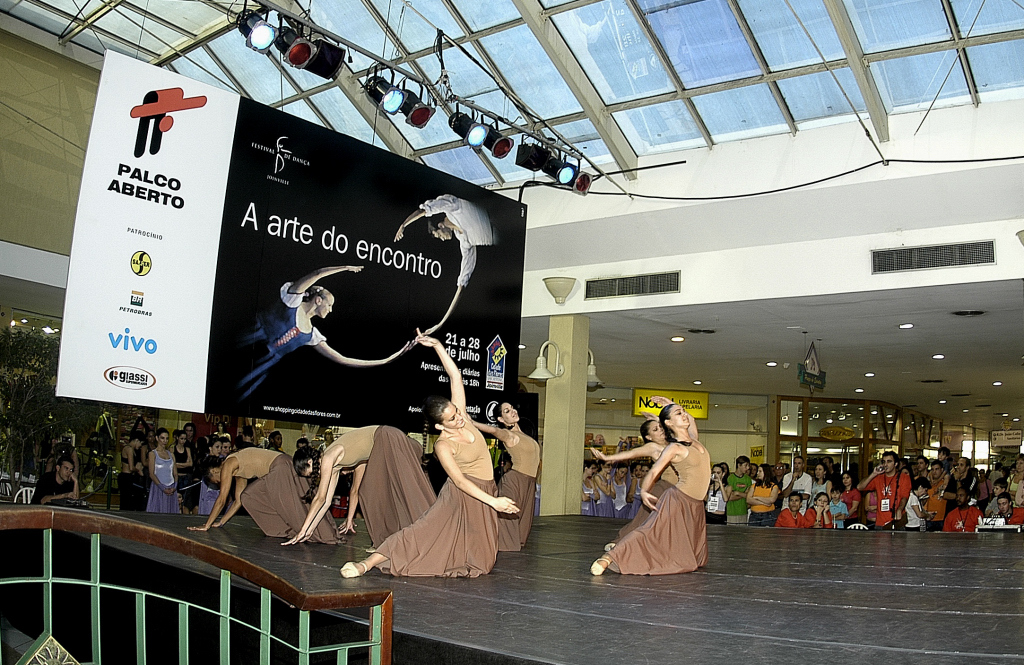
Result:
{"points": [[5, 488], [25, 493], [858, 527]]}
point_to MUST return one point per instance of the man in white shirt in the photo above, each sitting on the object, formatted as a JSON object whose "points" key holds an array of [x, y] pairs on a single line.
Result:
{"points": [[797, 482]]}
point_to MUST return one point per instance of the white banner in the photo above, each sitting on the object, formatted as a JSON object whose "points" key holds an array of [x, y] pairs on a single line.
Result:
{"points": [[144, 253]]}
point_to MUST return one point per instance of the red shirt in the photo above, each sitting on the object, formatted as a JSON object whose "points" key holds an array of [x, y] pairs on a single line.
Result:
{"points": [[964, 520], [1016, 516], [894, 489], [811, 516], [786, 519]]}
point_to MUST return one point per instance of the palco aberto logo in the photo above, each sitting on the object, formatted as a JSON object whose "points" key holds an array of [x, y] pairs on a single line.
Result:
{"points": [[155, 119]]}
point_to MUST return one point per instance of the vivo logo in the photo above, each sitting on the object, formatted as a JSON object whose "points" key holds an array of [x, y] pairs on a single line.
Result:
{"points": [[131, 378], [127, 342]]}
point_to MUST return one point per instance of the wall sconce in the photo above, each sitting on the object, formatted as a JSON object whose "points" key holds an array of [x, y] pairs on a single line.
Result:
{"points": [[542, 373], [559, 287], [592, 380]]}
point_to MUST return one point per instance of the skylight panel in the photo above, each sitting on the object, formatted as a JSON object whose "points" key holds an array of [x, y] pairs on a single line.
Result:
{"points": [[191, 17], [702, 40], [782, 40], [342, 115], [133, 27], [302, 110], [585, 137], [467, 80], [197, 65], [414, 32], [996, 16], [613, 51], [910, 84], [461, 163], [998, 70], [817, 96], [660, 128], [351, 20], [741, 113], [481, 15], [260, 78], [883, 25], [529, 71]]}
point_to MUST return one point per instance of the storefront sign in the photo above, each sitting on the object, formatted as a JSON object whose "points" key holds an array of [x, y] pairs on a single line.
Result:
{"points": [[696, 404]]}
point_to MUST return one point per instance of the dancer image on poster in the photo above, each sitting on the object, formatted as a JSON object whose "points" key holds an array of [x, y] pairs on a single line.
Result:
{"points": [[388, 482], [674, 538], [520, 482], [463, 220], [458, 535], [288, 325], [273, 500]]}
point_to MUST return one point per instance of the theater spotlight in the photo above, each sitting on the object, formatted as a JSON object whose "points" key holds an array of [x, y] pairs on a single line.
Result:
{"points": [[388, 97], [415, 111], [583, 183], [315, 56], [532, 156], [471, 131], [499, 145], [259, 35], [562, 171]]}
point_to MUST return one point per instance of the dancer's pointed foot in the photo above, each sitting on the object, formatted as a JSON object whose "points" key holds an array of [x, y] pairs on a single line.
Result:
{"points": [[609, 547], [599, 566], [351, 569]]}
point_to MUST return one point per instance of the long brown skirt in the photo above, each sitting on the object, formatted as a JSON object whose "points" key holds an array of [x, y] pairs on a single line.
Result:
{"points": [[672, 540], [513, 530], [275, 503], [395, 490], [456, 537], [644, 512]]}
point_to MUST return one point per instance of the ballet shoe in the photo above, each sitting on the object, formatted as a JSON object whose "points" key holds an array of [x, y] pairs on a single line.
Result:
{"points": [[599, 566], [609, 547], [351, 569]]}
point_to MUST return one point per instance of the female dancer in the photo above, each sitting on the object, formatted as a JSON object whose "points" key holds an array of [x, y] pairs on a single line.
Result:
{"points": [[387, 481], [518, 484], [208, 493], [274, 500], [462, 219], [620, 483], [163, 493], [288, 325], [587, 503], [674, 539], [458, 535], [605, 505], [183, 463], [130, 482]]}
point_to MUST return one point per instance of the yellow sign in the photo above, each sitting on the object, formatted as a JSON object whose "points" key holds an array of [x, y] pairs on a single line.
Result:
{"points": [[696, 404], [836, 433], [757, 454]]}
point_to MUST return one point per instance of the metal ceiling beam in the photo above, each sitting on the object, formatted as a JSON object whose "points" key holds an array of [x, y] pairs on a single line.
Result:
{"points": [[946, 45], [755, 49], [226, 70], [295, 86], [673, 75], [187, 44], [64, 16], [569, 67], [859, 66], [87, 21]]}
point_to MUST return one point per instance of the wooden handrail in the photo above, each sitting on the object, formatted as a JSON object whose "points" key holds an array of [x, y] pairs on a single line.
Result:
{"points": [[82, 521]]}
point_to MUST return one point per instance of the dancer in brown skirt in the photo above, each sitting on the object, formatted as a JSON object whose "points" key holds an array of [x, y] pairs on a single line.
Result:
{"points": [[274, 500], [519, 483], [458, 535], [674, 538], [387, 482]]}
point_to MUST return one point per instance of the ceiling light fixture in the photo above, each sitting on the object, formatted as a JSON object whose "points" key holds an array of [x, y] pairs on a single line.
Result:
{"points": [[677, 338], [697, 383], [858, 390], [522, 346], [385, 93], [997, 383], [906, 326], [259, 35], [869, 374], [942, 401], [316, 56], [559, 287], [771, 363], [938, 356]]}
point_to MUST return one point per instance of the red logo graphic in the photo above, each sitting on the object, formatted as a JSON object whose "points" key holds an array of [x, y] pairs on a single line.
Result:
{"points": [[154, 111]]}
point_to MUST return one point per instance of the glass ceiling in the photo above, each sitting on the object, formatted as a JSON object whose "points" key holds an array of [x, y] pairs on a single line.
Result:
{"points": [[617, 78]]}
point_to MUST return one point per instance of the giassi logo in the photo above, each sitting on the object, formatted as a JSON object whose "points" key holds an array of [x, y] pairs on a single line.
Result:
{"points": [[129, 378], [141, 263]]}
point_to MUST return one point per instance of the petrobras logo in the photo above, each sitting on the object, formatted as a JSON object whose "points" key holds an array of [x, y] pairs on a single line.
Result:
{"points": [[129, 378]]}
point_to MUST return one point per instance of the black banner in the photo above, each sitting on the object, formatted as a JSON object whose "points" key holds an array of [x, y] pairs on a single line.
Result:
{"points": [[294, 339]]}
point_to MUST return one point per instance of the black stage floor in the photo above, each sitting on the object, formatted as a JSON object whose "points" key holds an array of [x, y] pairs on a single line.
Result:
{"points": [[766, 596]]}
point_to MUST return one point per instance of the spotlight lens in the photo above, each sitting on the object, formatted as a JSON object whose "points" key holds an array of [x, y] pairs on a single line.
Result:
{"points": [[566, 174], [299, 54], [476, 135], [392, 101], [420, 116], [583, 183], [502, 147], [262, 36]]}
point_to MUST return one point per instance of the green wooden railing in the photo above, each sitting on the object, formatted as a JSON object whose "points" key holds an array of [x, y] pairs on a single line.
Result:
{"points": [[49, 519]]}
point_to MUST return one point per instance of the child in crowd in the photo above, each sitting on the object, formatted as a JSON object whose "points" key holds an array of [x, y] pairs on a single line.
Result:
{"points": [[819, 516], [998, 487], [838, 509], [917, 516]]}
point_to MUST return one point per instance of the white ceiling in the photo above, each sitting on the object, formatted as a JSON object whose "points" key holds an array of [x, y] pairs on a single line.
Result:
{"points": [[858, 333]]}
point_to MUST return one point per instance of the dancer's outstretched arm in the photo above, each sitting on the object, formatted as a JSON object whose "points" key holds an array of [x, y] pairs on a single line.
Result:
{"points": [[501, 504], [506, 436], [408, 220], [451, 308], [647, 450], [300, 285], [319, 505], [451, 369], [671, 450], [325, 350]]}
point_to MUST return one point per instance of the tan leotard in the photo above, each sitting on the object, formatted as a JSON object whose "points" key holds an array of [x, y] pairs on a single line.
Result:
{"points": [[473, 458], [254, 462], [525, 455], [358, 444], [694, 472]]}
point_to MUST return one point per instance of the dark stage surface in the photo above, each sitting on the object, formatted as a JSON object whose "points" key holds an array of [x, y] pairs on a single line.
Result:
{"points": [[766, 596]]}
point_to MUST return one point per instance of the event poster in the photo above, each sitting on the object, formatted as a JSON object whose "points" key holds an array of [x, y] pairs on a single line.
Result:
{"points": [[232, 258]]}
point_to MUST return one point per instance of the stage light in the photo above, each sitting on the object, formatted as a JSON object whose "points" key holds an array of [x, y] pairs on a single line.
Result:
{"points": [[499, 145], [583, 183], [259, 35], [532, 156], [415, 111], [471, 131], [388, 97], [316, 56], [562, 171]]}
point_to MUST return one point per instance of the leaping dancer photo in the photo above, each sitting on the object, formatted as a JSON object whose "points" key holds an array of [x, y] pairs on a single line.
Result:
{"points": [[463, 220]]}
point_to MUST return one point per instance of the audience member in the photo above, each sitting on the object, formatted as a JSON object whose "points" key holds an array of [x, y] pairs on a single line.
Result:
{"points": [[275, 441], [965, 517], [183, 463], [621, 483], [833, 474], [715, 500], [1006, 511], [820, 484], [761, 497], [985, 489], [819, 516], [588, 500], [61, 483], [917, 516], [945, 459], [839, 511], [301, 443], [163, 492], [797, 482], [998, 487], [739, 483], [1014, 478], [605, 504], [921, 467], [892, 489], [997, 472], [791, 517], [130, 483], [935, 505], [851, 497], [962, 476]]}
